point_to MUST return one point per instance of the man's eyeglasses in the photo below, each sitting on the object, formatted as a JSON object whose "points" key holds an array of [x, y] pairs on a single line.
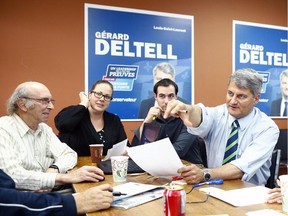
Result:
{"points": [[43, 101], [99, 95]]}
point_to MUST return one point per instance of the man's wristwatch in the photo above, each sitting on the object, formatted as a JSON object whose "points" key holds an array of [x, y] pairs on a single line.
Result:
{"points": [[54, 167], [207, 175]]}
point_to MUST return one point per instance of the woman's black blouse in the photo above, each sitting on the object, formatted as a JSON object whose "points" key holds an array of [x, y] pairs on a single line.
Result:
{"points": [[76, 130]]}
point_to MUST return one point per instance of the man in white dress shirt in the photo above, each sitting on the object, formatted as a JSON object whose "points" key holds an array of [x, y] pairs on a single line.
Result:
{"points": [[30, 152], [257, 133]]}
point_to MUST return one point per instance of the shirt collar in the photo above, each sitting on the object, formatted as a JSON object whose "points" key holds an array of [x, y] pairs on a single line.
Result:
{"points": [[243, 122], [283, 101], [23, 127]]}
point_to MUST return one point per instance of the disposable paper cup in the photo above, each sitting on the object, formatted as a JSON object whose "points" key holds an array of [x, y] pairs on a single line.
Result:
{"points": [[119, 168], [96, 151], [284, 191]]}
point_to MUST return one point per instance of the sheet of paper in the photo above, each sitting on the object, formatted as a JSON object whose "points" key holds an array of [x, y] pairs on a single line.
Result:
{"points": [[264, 212], [133, 188], [244, 196], [157, 158], [117, 149]]}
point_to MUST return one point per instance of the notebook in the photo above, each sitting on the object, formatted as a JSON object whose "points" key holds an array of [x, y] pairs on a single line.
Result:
{"points": [[107, 169]]}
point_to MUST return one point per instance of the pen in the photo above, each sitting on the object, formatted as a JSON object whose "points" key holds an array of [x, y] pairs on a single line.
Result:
{"points": [[216, 181], [183, 111], [118, 193]]}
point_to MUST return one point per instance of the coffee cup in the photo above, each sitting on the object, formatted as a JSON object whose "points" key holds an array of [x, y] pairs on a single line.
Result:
{"points": [[119, 166], [96, 152]]}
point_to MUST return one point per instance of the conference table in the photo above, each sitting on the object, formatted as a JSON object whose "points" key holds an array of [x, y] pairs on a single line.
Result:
{"points": [[211, 207]]}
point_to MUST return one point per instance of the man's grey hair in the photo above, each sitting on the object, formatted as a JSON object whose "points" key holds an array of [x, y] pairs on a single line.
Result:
{"points": [[249, 79], [20, 92], [284, 73], [166, 68]]}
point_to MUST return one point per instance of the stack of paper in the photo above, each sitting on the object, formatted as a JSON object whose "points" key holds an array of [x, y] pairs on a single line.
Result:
{"points": [[137, 194]]}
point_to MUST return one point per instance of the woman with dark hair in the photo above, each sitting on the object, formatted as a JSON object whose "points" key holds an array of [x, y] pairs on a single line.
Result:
{"points": [[89, 122]]}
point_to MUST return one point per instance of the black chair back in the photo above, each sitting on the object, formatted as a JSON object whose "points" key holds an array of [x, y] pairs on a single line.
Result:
{"points": [[274, 168]]}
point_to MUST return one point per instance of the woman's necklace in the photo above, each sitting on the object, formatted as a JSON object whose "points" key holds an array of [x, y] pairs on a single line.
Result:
{"points": [[98, 124], [102, 136]]}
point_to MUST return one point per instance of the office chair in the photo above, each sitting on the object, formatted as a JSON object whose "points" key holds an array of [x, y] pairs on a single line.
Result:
{"points": [[282, 144], [274, 168]]}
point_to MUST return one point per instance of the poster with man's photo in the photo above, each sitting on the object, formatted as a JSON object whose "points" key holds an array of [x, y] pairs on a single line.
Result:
{"points": [[264, 49], [123, 46]]}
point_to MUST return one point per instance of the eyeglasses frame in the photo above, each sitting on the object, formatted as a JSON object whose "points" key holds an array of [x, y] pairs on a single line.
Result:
{"points": [[102, 95], [43, 101]]}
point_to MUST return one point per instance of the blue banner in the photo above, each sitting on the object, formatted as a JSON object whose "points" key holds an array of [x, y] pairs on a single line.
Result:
{"points": [[264, 49], [123, 45]]}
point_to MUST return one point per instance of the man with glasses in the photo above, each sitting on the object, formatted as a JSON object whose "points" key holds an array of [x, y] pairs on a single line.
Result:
{"points": [[30, 152], [186, 145], [88, 122]]}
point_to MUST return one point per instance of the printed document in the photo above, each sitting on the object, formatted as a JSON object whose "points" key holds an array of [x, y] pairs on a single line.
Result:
{"points": [[133, 188], [136, 194]]}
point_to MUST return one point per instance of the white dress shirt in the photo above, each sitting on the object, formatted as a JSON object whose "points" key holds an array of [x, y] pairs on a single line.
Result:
{"points": [[27, 154], [257, 137]]}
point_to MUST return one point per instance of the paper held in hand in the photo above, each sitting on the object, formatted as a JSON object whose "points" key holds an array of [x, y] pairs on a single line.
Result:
{"points": [[117, 149], [158, 158]]}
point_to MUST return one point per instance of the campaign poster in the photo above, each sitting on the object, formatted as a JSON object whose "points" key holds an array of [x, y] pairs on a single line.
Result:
{"points": [[123, 46], [264, 49]]}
